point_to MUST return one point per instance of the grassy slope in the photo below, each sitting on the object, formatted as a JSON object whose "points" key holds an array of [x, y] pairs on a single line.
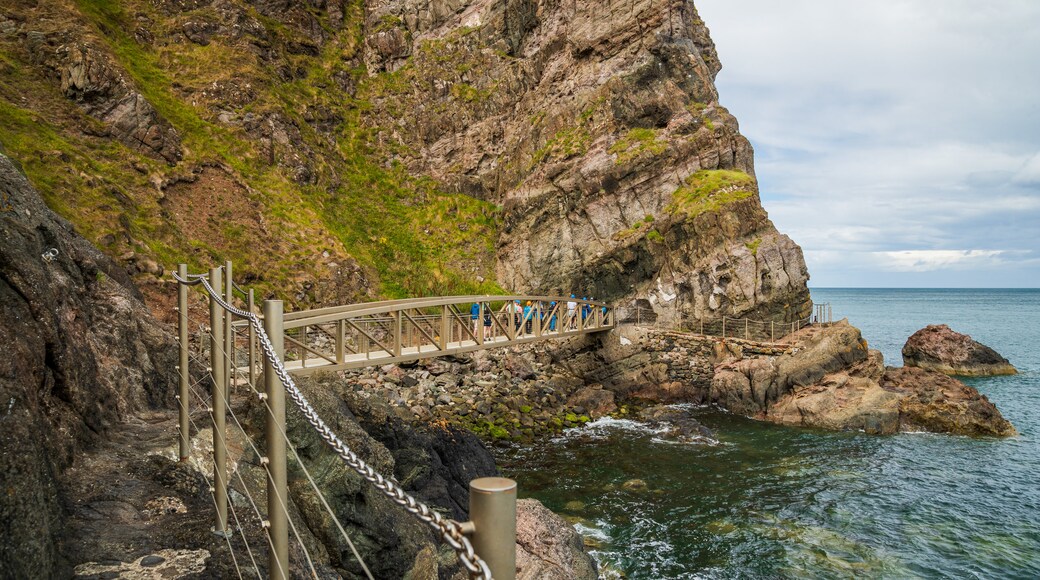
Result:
{"points": [[402, 229]]}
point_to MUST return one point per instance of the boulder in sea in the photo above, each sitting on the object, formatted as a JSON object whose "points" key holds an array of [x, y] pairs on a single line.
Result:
{"points": [[935, 402], [937, 347], [832, 380]]}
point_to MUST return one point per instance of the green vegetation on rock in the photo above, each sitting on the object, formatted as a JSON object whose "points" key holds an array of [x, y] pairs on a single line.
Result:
{"points": [[636, 143], [709, 190], [332, 188]]}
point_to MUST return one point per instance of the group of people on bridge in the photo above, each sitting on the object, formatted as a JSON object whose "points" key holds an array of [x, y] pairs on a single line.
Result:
{"points": [[522, 316]]}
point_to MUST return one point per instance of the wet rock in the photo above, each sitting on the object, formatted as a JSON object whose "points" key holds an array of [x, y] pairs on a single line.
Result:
{"points": [[595, 401], [939, 348], [547, 547], [635, 485], [938, 403], [681, 425], [833, 381]]}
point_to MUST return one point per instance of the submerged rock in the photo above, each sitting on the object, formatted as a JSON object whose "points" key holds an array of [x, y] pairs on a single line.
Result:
{"points": [[680, 425], [939, 348]]}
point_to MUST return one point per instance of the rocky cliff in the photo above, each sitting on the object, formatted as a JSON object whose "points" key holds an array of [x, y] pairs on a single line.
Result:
{"points": [[337, 149], [598, 127], [82, 353]]}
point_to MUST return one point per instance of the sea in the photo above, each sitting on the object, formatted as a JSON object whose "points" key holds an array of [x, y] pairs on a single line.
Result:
{"points": [[766, 501]]}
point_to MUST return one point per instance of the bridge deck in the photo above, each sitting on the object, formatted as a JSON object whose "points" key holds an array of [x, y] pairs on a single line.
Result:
{"points": [[379, 357]]}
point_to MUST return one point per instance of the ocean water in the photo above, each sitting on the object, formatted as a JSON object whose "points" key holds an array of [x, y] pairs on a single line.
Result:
{"points": [[765, 501]]}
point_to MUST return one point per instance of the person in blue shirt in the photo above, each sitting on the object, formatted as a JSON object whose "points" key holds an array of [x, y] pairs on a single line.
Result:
{"points": [[552, 317], [474, 315], [527, 317]]}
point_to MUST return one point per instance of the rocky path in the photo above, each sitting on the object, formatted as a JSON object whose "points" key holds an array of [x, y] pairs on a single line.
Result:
{"points": [[135, 512]]}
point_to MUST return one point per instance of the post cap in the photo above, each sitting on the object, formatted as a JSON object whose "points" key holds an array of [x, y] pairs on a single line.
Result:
{"points": [[492, 485]]}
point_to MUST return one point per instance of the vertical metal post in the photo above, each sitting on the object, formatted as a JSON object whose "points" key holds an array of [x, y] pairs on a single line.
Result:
{"points": [[182, 335], [480, 335], [492, 509], [303, 349], [278, 559], [216, 323], [701, 321], [251, 306], [341, 340], [445, 327], [229, 345], [397, 333]]}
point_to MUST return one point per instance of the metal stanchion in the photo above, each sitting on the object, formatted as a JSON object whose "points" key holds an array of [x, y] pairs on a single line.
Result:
{"points": [[229, 346], [492, 509], [216, 323], [252, 341], [276, 481], [182, 335]]}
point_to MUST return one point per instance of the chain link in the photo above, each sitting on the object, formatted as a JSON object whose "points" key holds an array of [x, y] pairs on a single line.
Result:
{"points": [[449, 530]]}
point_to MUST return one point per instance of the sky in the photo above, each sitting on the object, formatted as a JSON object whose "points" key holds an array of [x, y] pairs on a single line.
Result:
{"points": [[897, 142]]}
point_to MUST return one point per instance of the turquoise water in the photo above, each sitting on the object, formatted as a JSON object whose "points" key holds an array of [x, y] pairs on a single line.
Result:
{"points": [[765, 501]]}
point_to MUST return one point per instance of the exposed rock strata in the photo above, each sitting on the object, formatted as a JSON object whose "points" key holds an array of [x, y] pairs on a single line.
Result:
{"points": [[939, 348], [81, 354], [594, 124], [91, 78]]}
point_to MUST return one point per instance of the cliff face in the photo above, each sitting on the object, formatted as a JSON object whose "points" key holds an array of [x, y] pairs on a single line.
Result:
{"points": [[597, 126], [81, 353], [345, 148]]}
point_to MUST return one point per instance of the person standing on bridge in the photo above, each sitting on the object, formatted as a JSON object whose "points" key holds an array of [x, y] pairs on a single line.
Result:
{"points": [[572, 308], [487, 321], [474, 315], [552, 316], [527, 318]]}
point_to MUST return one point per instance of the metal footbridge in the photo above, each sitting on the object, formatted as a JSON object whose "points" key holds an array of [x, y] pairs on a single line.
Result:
{"points": [[393, 331]]}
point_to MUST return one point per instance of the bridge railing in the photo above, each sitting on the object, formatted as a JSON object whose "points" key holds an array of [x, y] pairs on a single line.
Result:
{"points": [[492, 500], [401, 330], [728, 327]]}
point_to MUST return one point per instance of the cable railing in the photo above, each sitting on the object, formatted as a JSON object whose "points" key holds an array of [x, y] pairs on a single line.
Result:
{"points": [[242, 341], [727, 327]]}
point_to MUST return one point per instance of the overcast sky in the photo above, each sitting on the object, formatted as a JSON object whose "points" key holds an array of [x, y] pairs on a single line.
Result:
{"points": [[898, 142]]}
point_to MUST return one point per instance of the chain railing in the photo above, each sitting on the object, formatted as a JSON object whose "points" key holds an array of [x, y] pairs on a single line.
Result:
{"points": [[726, 326]]}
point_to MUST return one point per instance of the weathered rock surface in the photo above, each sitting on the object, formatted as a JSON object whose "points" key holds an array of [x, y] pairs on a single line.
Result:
{"points": [[547, 547], [81, 354], [92, 79], [939, 348], [598, 126], [832, 380]]}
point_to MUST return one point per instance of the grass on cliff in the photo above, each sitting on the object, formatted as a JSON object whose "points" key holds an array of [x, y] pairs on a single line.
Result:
{"points": [[415, 239], [636, 143], [709, 190]]}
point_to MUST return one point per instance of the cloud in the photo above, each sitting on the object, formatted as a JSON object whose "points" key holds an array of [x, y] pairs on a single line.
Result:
{"points": [[891, 127], [930, 260]]}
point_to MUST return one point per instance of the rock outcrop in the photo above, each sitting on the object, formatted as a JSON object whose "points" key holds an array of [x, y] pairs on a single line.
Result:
{"points": [[598, 127], [833, 381], [81, 354], [939, 348]]}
